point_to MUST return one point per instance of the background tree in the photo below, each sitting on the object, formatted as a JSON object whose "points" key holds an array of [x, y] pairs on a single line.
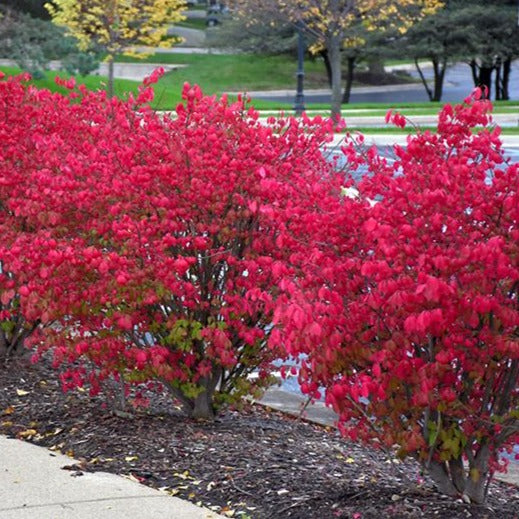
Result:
{"points": [[330, 21], [495, 45], [440, 38], [35, 8], [115, 26], [32, 43], [485, 35], [265, 36]]}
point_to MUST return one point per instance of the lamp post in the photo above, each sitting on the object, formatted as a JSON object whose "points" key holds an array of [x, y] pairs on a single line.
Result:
{"points": [[299, 104]]}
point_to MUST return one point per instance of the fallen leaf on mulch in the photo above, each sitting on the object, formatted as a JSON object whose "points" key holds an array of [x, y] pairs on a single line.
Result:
{"points": [[7, 411], [27, 433]]}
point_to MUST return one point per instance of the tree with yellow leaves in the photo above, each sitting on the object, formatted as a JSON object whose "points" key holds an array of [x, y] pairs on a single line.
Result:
{"points": [[330, 22], [117, 26]]}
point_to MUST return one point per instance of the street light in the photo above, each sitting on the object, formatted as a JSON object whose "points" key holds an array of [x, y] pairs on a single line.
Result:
{"points": [[299, 104]]}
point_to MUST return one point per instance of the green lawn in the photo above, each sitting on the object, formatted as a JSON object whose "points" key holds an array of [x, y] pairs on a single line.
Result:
{"points": [[217, 73]]}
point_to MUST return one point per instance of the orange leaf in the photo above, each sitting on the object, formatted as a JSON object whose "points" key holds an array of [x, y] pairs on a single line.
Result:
{"points": [[7, 411]]}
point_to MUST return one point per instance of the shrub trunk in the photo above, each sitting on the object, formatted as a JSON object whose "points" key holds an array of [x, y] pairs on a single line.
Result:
{"points": [[471, 482]]}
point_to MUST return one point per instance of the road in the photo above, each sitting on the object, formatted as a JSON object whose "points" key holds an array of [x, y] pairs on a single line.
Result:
{"points": [[458, 84]]}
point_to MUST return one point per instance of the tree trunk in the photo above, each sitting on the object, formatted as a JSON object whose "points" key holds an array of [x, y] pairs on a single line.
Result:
{"points": [[424, 81], [475, 73], [497, 80], [479, 477], [199, 407], [13, 344], [453, 480], [203, 407], [440, 475], [507, 65], [349, 80], [485, 80], [333, 46], [439, 75], [3, 346], [326, 59], [457, 473], [110, 90]]}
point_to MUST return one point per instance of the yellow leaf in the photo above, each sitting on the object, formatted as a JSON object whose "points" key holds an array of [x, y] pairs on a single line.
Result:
{"points": [[70, 453], [22, 392], [27, 433], [7, 411], [7, 423], [131, 458], [184, 475], [350, 460], [474, 475]]}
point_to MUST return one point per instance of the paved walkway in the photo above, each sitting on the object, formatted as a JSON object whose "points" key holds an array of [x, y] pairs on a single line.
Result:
{"points": [[190, 37], [33, 485]]}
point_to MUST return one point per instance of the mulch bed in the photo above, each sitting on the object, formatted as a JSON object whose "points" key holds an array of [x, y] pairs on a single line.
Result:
{"points": [[251, 464]]}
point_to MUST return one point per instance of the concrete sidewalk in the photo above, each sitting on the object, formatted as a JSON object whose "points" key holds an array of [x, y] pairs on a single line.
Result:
{"points": [[33, 485]]}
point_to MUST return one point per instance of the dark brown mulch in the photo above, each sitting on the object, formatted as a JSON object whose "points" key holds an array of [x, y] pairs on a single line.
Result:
{"points": [[249, 464]]}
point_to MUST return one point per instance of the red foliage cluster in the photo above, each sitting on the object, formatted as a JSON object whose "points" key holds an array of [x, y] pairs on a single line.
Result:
{"points": [[151, 242], [196, 248], [409, 316]]}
